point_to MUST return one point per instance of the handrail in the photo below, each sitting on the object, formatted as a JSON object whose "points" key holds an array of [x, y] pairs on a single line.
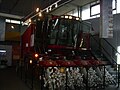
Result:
{"points": [[111, 45], [104, 50], [113, 59]]}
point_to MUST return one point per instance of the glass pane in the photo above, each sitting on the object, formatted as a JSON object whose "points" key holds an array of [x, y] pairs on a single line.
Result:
{"points": [[53, 30], [95, 9], [113, 4], [118, 55], [118, 6], [86, 12], [114, 11], [64, 32]]}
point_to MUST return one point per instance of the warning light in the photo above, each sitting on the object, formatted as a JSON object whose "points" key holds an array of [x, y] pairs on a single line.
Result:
{"points": [[36, 55], [30, 61]]}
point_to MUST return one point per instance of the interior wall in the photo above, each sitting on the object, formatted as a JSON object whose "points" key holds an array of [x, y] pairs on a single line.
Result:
{"points": [[8, 49], [2, 29]]}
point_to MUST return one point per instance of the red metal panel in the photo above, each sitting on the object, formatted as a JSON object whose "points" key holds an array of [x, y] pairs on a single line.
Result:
{"points": [[26, 40]]}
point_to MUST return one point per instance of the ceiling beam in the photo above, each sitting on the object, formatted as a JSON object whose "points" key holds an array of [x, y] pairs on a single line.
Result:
{"points": [[11, 16]]}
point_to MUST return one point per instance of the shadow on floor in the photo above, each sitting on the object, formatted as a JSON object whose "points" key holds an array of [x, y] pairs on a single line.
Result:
{"points": [[10, 81]]}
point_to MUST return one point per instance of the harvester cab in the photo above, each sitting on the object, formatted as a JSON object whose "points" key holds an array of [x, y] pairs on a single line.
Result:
{"points": [[62, 35], [56, 35]]}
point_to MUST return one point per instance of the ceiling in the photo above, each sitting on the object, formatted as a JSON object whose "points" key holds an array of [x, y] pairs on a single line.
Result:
{"points": [[17, 8], [22, 8]]}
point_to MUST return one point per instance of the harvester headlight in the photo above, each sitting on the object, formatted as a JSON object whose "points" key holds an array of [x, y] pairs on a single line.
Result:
{"points": [[70, 17], [66, 16], [62, 16], [77, 18]]}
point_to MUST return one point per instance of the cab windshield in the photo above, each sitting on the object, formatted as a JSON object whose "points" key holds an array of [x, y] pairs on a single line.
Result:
{"points": [[64, 32]]}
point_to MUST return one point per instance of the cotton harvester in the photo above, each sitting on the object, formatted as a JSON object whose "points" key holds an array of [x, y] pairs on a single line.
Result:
{"points": [[60, 47]]}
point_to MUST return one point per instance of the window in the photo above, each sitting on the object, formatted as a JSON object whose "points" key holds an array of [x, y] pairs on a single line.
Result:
{"points": [[92, 10], [118, 55], [114, 5], [86, 12], [95, 9], [75, 13], [118, 6]]}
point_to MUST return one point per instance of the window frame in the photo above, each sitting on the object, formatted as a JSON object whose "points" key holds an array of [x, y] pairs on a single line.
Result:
{"points": [[91, 9], [98, 3]]}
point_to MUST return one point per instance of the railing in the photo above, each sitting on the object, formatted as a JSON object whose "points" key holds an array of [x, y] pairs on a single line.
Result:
{"points": [[113, 48], [105, 50]]}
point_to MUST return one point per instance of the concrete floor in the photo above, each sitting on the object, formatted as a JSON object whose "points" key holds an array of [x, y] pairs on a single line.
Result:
{"points": [[10, 81]]}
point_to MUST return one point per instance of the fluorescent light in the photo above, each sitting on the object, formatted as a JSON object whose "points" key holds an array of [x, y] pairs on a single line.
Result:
{"points": [[12, 21], [15, 21], [2, 51], [7, 20]]}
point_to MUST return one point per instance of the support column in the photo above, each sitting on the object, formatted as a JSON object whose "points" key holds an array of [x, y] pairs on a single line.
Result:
{"points": [[106, 17]]}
